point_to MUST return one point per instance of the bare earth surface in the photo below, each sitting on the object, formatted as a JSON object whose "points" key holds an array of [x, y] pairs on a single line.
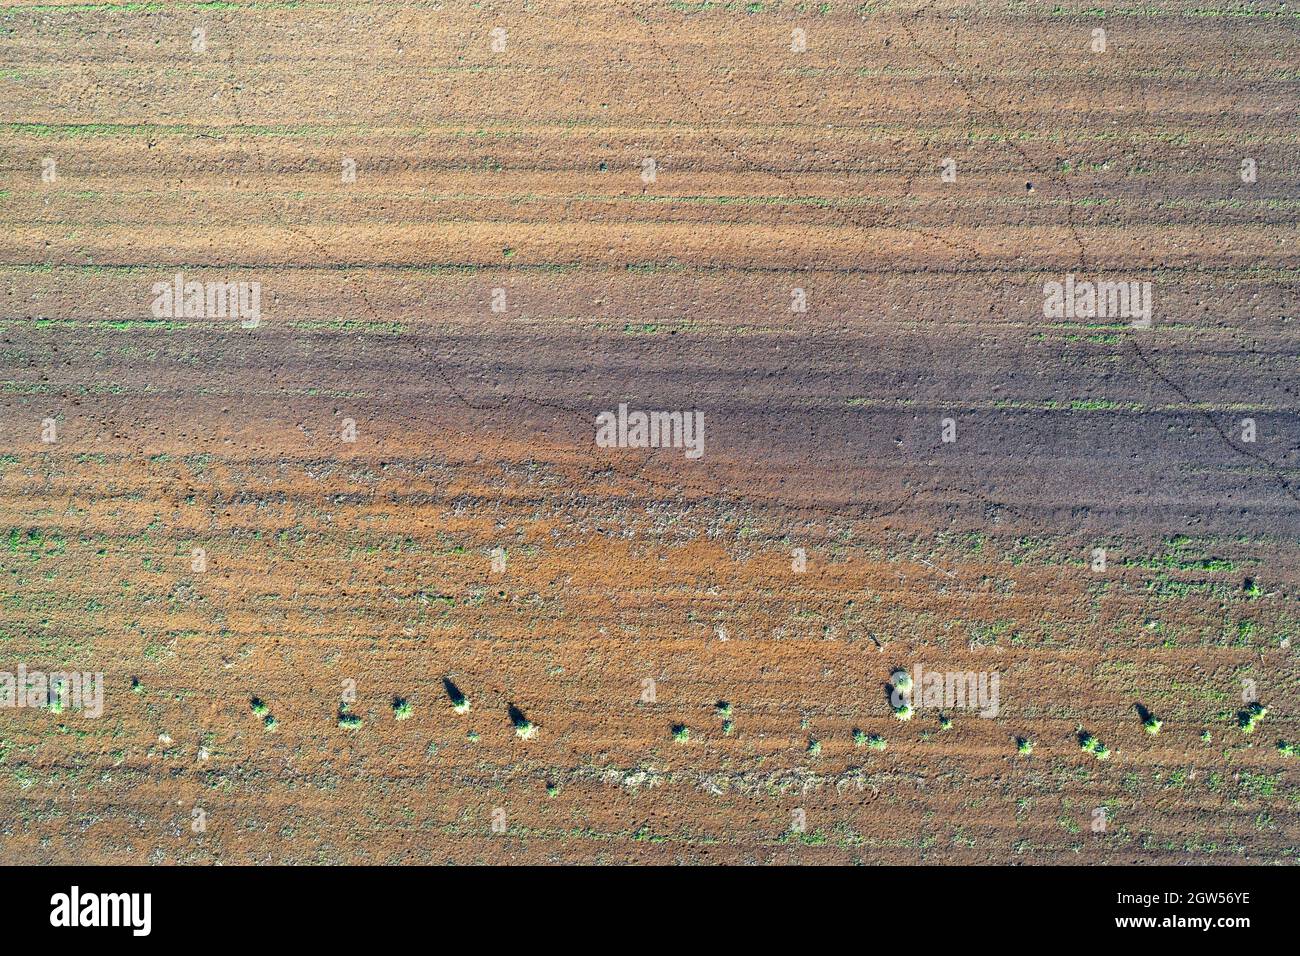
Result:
{"points": [[642, 588]]}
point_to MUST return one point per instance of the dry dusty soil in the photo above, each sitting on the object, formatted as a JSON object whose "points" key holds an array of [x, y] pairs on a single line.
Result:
{"points": [[826, 229]]}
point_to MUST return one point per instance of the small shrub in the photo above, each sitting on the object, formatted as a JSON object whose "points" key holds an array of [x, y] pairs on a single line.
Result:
{"points": [[1090, 744], [1249, 718], [1285, 749], [681, 733], [859, 737], [401, 708], [945, 722], [525, 729], [903, 711], [459, 702], [269, 723], [727, 728], [347, 718], [1149, 722], [136, 686], [876, 742], [1024, 745], [259, 708], [723, 709], [814, 748], [1205, 737]]}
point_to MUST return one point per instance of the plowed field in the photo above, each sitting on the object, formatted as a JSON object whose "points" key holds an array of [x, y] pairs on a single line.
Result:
{"points": [[826, 229]]}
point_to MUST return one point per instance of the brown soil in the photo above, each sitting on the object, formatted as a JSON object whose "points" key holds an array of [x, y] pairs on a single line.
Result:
{"points": [[371, 562]]}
